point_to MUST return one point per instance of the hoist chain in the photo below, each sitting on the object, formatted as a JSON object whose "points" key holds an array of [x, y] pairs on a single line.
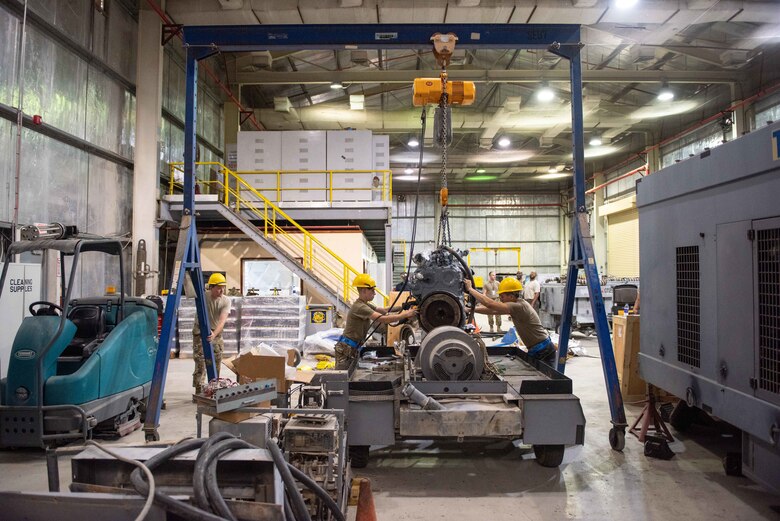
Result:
{"points": [[444, 236]]}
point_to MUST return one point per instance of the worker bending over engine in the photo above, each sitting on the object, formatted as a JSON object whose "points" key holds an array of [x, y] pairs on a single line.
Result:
{"points": [[527, 324], [359, 319]]}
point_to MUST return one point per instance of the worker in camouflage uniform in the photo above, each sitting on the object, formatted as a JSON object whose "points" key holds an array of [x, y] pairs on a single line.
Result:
{"points": [[360, 317], [527, 324], [217, 309]]}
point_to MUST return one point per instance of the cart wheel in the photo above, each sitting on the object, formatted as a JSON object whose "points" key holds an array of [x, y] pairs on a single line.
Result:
{"points": [[549, 455], [358, 456], [617, 438], [152, 436]]}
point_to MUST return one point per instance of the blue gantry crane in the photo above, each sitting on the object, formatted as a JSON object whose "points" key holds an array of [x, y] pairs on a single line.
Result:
{"points": [[564, 40]]}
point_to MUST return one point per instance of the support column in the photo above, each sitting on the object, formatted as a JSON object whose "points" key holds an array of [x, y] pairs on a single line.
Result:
{"points": [[599, 225], [146, 178]]}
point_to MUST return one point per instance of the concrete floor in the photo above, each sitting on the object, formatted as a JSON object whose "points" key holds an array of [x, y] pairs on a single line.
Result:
{"points": [[468, 482]]}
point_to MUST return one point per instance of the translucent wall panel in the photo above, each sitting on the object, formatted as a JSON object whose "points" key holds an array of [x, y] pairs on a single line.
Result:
{"points": [[122, 45], [492, 221], [709, 136], [110, 198], [108, 108], [72, 17], [53, 184], [767, 109], [55, 84], [7, 167], [9, 38], [173, 89]]}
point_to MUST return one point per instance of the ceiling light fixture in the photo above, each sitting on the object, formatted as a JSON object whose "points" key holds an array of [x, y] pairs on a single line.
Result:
{"points": [[480, 170], [504, 142], [625, 4], [409, 171], [595, 141], [336, 85], [665, 94], [413, 143], [552, 170], [545, 94], [481, 178]]}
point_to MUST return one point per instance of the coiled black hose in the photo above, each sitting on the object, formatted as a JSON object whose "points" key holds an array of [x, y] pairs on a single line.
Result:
{"points": [[170, 504], [298, 505], [206, 487], [198, 475], [319, 491]]}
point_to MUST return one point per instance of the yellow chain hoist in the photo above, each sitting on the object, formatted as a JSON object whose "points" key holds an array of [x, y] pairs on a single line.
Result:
{"points": [[443, 93]]}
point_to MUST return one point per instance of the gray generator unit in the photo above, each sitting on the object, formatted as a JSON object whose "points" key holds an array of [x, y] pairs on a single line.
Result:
{"points": [[709, 231]]}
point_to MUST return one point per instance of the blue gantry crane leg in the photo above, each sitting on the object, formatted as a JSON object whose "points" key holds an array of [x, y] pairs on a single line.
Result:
{"points": [[582, 257], [186, 262]]}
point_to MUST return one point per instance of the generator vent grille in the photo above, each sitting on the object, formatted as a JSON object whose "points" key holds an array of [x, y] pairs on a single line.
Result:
{"points": [[768, 251], [688, 306]]}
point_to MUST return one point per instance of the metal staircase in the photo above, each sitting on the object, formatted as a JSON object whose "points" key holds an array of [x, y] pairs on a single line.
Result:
{"points": [[324, 272], [280, 253]]}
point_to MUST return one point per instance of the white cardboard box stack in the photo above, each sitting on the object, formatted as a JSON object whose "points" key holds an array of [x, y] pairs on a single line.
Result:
{"points": [[304, 151]]}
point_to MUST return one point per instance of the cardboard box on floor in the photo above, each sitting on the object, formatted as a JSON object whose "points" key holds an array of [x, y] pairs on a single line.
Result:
{"points": [[250, 367]]}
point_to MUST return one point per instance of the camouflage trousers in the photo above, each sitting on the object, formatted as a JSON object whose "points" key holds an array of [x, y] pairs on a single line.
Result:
{"points": [[497, 318], [199, 375], [346, 357]]}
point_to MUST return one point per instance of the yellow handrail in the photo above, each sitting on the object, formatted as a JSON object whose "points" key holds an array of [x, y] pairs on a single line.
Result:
{"points": [[332, 264]]}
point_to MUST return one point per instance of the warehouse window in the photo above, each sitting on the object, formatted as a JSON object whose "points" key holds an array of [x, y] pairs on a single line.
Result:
{"points": [[688, 306], [768, 251]]}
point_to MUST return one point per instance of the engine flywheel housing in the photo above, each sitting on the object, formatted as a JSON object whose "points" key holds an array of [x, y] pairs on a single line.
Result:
{"points": [[440, 309], [449, 354]]}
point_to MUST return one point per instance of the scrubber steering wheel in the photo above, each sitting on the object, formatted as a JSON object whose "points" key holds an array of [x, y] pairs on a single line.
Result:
{"points": [[50, 309]]}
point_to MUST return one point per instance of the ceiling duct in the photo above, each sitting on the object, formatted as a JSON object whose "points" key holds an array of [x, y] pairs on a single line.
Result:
{"points": [[359, 57], [255, 61], [282, 104], [231, 4]]}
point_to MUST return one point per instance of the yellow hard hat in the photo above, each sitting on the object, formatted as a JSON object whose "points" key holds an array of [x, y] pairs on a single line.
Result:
{"points": [[364, 280], [509, 285], [217, 279]]}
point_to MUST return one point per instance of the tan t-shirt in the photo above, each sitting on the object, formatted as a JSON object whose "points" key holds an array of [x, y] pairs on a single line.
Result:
{"points": [[491, 289], [214, 309], [527, 324], [531, 289], [359, 320]]}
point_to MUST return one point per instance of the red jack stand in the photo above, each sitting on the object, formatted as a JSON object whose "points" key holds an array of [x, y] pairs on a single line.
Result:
{"points": [[649, 415]]}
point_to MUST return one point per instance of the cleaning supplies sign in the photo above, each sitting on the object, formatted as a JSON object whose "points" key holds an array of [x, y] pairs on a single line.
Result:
{"points": [[20, 285]]}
